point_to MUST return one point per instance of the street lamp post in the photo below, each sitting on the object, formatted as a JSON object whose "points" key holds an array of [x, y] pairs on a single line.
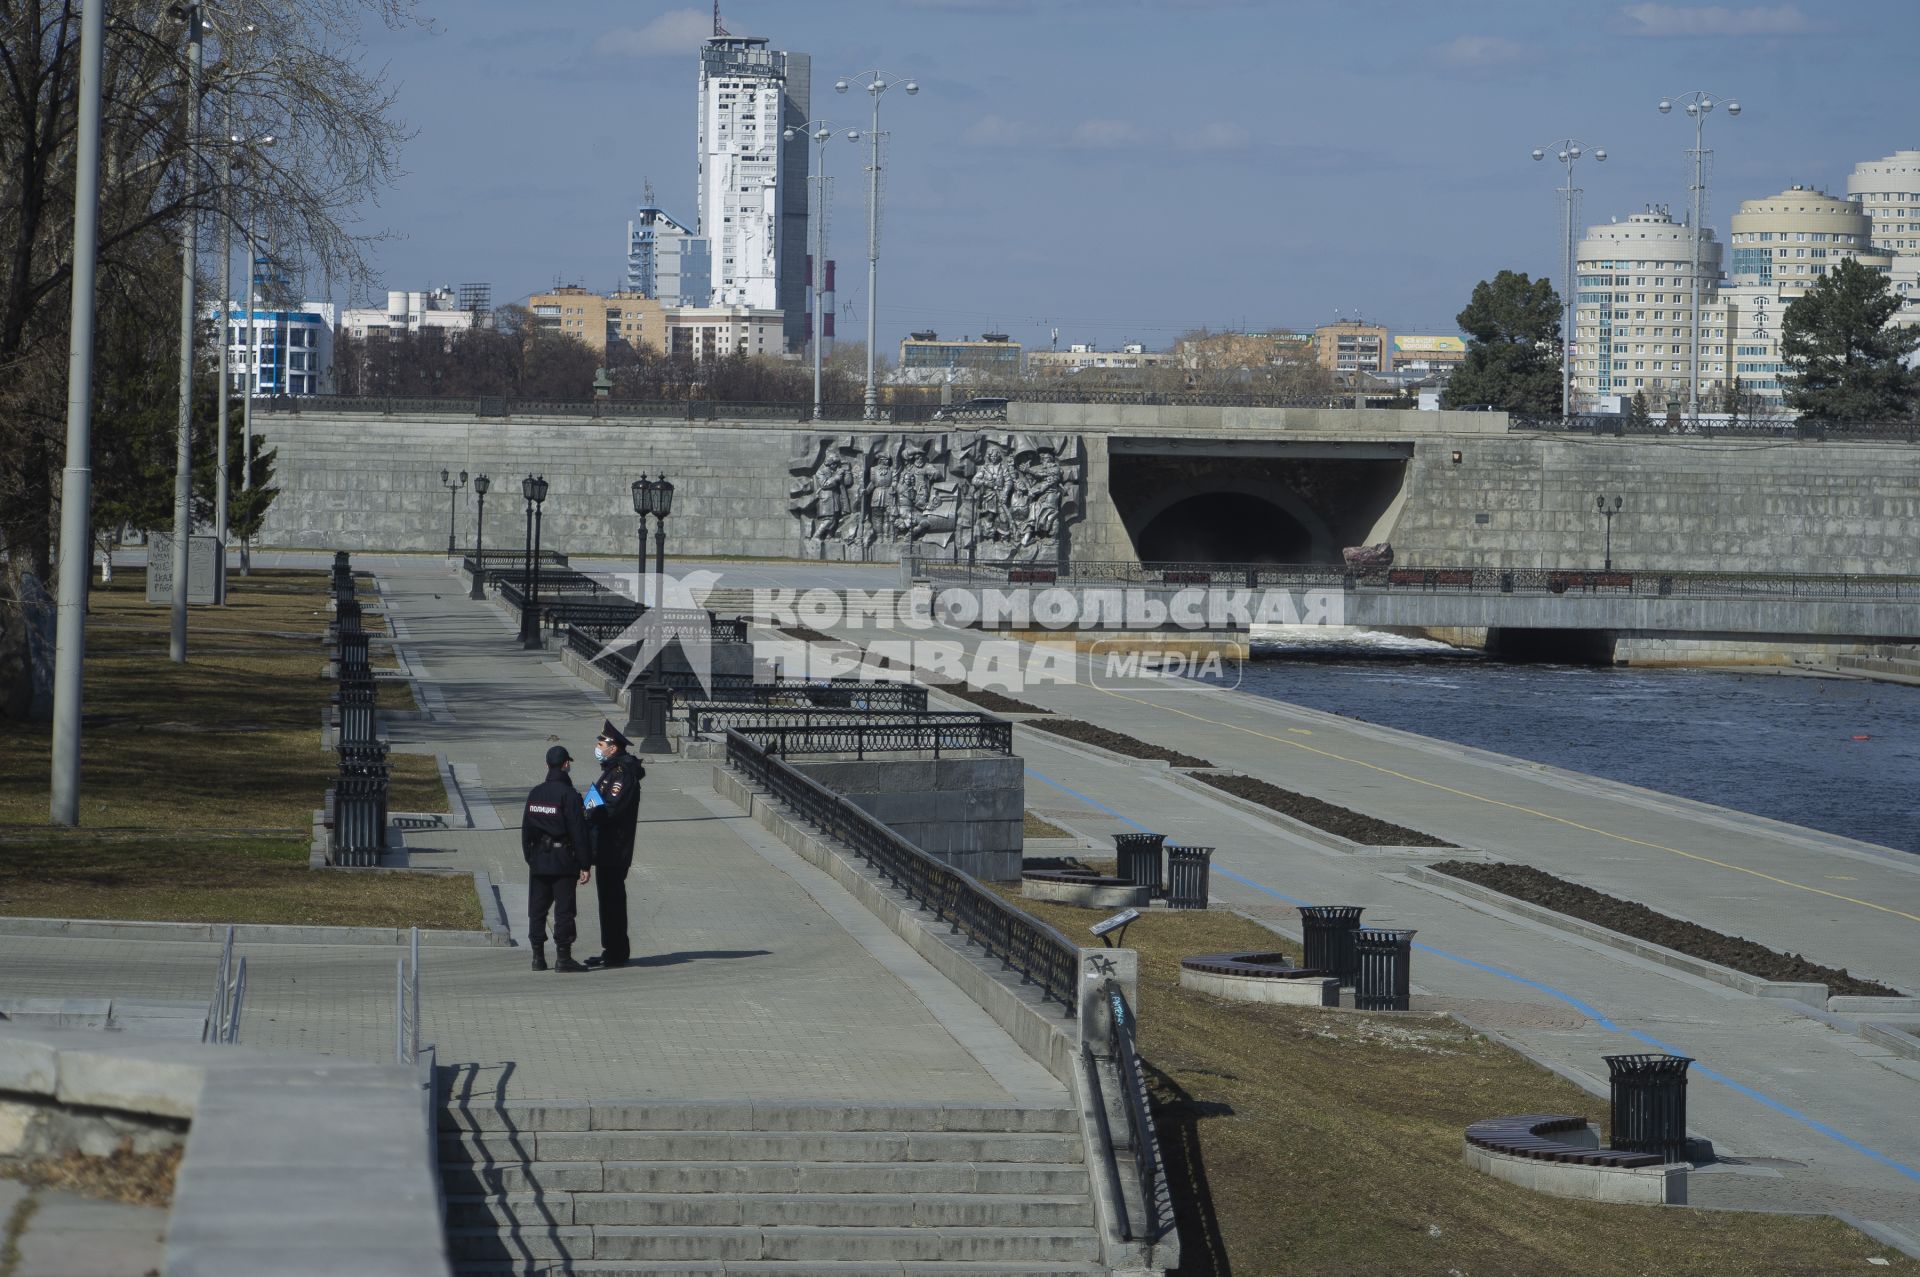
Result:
{"points": [[642, 506], [1607, 512], [454, 488], [878, 82], [1567, 151], [820, 132], [1698, 105], [526, 563], [228, 169], [76, 477], [535, 488], [662, 507], [481, 485], [183, 447]]}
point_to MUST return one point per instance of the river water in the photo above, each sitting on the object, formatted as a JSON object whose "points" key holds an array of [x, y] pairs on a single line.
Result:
{"points": [[1841, 755]]}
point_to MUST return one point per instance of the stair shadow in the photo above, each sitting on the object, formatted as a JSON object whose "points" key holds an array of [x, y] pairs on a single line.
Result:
{"points": [[1176, 1119], [506, 1244]]}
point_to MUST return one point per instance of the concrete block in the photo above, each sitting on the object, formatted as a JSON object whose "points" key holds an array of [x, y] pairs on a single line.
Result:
{"points": [[1313, 991], [151, 1080], [27, 1064]]}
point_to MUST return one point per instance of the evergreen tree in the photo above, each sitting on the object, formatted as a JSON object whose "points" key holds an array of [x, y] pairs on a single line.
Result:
{"points": [[1847, 364], [1513, 329], [1638, 411]]}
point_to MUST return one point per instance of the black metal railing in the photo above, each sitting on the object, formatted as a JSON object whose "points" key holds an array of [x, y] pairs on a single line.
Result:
{"points": [[1037, 952], [891, 734], [1142, 1140], [357, 805], [1715, 425], [708, 718], [1466, 580]]}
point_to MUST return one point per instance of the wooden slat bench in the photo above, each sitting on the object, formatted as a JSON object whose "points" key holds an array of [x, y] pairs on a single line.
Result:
{"points": [[1531, 1135]]}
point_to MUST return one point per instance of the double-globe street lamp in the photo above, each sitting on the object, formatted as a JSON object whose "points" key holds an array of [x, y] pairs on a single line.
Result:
{"points": [[534, 489], [819, 132], [1567, 151], [454, 489], [480, 488], [878, 82], [652, 497], [1607, 512], [1698, 105]]}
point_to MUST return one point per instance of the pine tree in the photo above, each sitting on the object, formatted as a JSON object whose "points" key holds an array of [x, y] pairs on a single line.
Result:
{"points": [[1848, 364]]}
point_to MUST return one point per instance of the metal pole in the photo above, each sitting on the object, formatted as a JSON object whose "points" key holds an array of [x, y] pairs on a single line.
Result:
{"points": [[183, 451], [479, 590], [1566, 338], [640, 583], [872, 411], [533, 592], [660, 561], [1693, 362], [819, 265], [76, 478], [253, 362], [226, 320], [526, 575]]}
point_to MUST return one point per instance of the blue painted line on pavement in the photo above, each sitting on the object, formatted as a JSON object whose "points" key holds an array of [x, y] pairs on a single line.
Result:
{"points": [[1591, 1012]]}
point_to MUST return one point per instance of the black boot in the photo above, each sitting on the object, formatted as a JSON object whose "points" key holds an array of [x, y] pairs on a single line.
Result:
{"points": [[563, 960], [540, 957]]}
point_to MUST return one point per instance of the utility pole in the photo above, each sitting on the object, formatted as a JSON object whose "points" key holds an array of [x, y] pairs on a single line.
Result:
{"points": [[183, 452]]}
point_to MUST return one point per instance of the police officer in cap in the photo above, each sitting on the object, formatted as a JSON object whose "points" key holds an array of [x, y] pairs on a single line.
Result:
{"points": [[612, 819], [555, 842]]}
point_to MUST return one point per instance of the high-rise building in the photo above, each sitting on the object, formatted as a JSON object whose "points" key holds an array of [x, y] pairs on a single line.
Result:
{"points": [[1351, 346], [1889, 192], [666, 261], [1633, 319], [752, 181]]}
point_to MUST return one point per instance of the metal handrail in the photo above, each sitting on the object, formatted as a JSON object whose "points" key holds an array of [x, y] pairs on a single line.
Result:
{"points": [[406, 1003], [1139, 1104], [718, 716], [1039, 953], [1759, 427], [222, 1025], [900, 733]]}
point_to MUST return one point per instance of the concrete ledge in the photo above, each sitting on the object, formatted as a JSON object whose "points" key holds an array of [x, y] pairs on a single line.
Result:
{"points": [[1084, 895], [1893, 1038], [295, 1164], [1308, 991], [1641, 1186], [1807, 993], [1849, 1004]]}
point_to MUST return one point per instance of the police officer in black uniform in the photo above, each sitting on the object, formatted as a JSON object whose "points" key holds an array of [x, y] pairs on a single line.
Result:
{"points": [[555, 842], [613, 820]]}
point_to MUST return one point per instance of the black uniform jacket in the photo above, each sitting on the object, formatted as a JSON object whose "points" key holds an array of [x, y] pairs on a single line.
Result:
{"points": [[553, 828], [613, 824]]}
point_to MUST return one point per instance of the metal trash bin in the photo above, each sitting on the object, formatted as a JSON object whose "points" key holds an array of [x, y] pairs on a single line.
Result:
{"points": [[1649, 1104], [356, 702], [1138, 860], [351, 652], [1189, 870], [1327, 933], [1385, 963]]}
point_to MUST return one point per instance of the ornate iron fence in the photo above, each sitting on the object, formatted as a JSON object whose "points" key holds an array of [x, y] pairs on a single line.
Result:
{"points": [[713, 717], [893, 734], [1040, 954], [1719, 427]]}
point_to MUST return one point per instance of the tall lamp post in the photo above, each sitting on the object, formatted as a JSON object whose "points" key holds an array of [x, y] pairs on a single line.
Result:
{"points": [[481, 484], [642, 506], [1567, 151], [662, 507], [454, 489], [76, 477], [189, 243], [1698, 105], [878, 82], [1607, 512], [534, 488], [820, 132]]}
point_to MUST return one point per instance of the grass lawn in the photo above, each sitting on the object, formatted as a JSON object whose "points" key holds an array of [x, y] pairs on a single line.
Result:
{"points": [[200, 780], [1034, 825], [1303, 1141]]}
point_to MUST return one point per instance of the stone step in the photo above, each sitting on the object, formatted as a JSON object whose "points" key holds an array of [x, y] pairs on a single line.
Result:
{"points": [[789, 1244], [730, 1210], [766, 1177], [659, 1115], [508, 1148], [770, 1268]]}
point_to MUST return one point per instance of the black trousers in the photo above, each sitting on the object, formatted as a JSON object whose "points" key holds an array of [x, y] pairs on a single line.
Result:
{"points": [[555, 892], [610, 886]]}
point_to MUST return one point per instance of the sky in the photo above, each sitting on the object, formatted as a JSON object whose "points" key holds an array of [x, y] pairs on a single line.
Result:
{"points": [[1132, 169]]}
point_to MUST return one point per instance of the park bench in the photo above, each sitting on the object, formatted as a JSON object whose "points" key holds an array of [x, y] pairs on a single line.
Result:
{"points": [[1405, 576], [1531, 1135], [1032, 576]]}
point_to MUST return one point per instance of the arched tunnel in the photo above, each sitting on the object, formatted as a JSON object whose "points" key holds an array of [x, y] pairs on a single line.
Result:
{"points": [[1252, 501]]}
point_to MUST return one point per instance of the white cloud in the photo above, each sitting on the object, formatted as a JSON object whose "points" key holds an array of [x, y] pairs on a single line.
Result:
{"points": [[1714, 20], [1480, 52], [671, 34]]}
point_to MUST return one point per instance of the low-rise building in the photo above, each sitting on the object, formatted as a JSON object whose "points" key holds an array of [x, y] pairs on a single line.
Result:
{"points": [[281, 352], [1080, 357], [1351, 346], [1415, 353], [993, 356], [410, 312], [715, 332]]}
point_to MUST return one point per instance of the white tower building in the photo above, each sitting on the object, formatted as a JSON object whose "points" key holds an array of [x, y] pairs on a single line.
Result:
{"points": [[752, 183]]}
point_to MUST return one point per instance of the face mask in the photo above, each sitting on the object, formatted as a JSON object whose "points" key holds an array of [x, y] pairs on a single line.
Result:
{"points": [[600, 753]]}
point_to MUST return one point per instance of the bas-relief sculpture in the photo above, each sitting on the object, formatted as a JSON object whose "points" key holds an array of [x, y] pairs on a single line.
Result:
{"points": [[986, 496]]}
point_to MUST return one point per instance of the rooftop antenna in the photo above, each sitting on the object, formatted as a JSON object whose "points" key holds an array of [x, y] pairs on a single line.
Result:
{"points": [[646, 190], [718, 30]]}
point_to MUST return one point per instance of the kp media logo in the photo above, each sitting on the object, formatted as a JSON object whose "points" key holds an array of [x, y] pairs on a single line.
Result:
{"points": [[1163, 666]]}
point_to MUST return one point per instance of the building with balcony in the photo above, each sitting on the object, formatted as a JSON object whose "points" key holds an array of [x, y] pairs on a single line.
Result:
{"points": [[1081, 357], [1888, 192], [437, 309], [281, 352], [666, 261], [1633, 311], [1350, 346]]}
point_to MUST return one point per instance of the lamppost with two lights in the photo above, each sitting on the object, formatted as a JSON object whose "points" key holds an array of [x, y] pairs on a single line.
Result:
{"points": [[651, 702], [534, 489], [1607, 512], [1566, 150], [454, 488], [1698, 105]]}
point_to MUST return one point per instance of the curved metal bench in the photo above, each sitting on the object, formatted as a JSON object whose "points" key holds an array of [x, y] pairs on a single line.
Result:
{"points": [[1531, 1135]]}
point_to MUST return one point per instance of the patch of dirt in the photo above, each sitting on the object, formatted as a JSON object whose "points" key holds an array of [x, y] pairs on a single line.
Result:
{"points": [[1335, 819], [139, 1179], [992, 702], [1523, 882], [1118, 742]]}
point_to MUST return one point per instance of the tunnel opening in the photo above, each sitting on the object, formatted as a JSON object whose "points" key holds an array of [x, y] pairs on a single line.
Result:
{"points": [[1225, 527], [1550, 647]]}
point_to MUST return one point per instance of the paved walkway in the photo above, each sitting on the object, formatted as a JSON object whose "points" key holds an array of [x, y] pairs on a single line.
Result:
{"points": [[755, 976], [57, 1234], [1769, 1083]]}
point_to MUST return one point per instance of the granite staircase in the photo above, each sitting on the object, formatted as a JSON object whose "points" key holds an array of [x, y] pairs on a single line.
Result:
{"points": [[806, 1189]]}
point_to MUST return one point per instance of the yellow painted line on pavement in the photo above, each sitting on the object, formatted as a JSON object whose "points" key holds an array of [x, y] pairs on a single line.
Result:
{"points": [[1517, 807]]}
